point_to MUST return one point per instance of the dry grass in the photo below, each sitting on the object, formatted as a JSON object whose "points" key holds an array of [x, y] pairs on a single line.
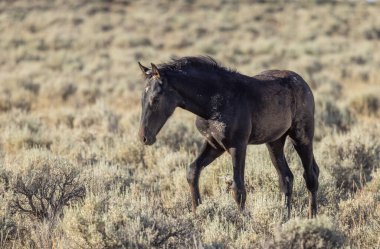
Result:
{"points": [[69, 113]]}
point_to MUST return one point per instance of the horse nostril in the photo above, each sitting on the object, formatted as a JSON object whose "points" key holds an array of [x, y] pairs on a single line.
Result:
{"points": [[145, 139]]}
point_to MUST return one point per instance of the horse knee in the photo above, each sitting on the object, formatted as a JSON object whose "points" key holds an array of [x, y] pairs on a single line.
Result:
{"points": [[191, 174], [289, 178], [289, 182], [286, 183], [315, 168]]}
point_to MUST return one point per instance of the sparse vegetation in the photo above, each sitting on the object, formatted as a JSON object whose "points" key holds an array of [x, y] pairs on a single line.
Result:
{"points": [[73, 175]]}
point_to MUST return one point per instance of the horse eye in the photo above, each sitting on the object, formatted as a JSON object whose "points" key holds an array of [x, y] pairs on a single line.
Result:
{"points": [[154, 100]]}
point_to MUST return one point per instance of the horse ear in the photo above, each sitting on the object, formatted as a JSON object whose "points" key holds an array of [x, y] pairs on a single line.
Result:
{"points": [[144, 69], [155, 71]]}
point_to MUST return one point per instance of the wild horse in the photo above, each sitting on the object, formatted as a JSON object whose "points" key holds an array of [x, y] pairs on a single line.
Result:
{"points": [[234, 110]]}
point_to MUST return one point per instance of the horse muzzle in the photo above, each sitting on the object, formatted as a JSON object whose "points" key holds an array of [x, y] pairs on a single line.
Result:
{"points": [[146, 138]]}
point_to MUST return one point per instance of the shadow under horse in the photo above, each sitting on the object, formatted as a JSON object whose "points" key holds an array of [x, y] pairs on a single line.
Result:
{"points": [[234, 110]]}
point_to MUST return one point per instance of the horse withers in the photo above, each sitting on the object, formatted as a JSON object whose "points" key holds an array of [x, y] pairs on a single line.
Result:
{"points": [[234, 110]]}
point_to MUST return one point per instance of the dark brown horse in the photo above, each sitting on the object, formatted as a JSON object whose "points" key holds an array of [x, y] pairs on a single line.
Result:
{"points": [[234, 110]]}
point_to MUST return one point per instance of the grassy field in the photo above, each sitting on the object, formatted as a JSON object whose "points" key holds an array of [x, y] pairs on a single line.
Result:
{"points": [[74, 175]]}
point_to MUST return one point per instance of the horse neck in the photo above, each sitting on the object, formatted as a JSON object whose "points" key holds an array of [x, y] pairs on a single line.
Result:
{"points": [[196, 93]]}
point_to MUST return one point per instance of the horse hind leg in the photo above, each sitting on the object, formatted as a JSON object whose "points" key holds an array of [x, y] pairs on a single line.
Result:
{"points": [[303, 144], [285, 176]]}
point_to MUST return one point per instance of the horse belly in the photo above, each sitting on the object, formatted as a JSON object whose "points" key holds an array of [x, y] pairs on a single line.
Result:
{"points": [[268, 128]]}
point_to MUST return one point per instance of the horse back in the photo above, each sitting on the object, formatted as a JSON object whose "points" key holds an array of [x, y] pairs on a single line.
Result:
{"points": [[279, 99], [296, 87]]}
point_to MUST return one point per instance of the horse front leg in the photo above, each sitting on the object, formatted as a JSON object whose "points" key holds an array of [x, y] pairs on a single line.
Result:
{"points": [[238, 160], [206, 156]]}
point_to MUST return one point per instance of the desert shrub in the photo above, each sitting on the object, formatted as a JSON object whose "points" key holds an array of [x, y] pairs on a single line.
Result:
{"points": [[45, 188], [4, 181], [5, 104], [89, 120], [324, 85], [212, 209], [67, 91], [368, 104], [8, 231], [179, 134], [26, 132], [361, 215], [22, 100], [314, 233], [127, 152], [90, 95], [372, 33], [219, 233], [351, 158], [31, 86], [66, 120], [222, 225], [331, 117], [125, 222], [103, 177]]}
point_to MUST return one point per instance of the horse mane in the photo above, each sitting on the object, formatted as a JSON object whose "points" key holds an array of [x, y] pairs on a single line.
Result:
{"points": [[198, 62]]}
